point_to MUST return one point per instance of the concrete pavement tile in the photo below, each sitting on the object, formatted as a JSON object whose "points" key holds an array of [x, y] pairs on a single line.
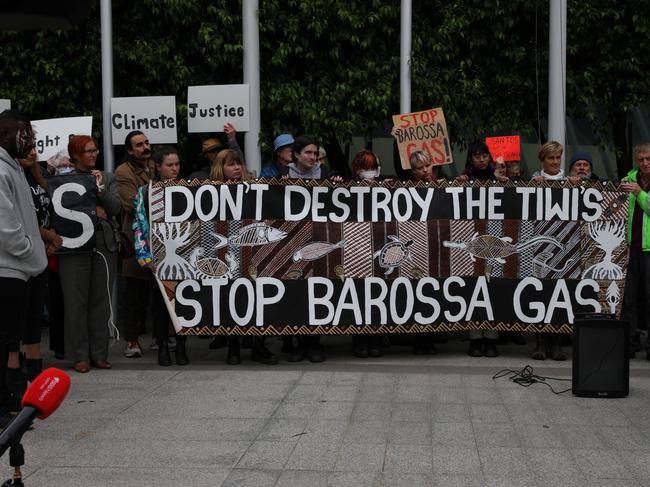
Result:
{"points": [[449, 395], [367, 432], [409, 433], [333, 410], [626, 438], [295, 410], [283, 429], [314, 454], [408, 459], [412, 393], [490, 413], [447, 380], [340, 393], [304, 393], [251, 478], [379, 379], [127, 477], [478, 380], [326, 429], [366, 411], [260, 375], [607, 417], [411, 411], [556, 461], [552, 480], [521, 413], [492, 481], [393, 479], [575, 437], [602, 464], [346, 379], [444, 480], [352, 479], [355, 457], [457, 460], [375, 392], [495, 434], [302, 478], [310, 377], [483, 395], [451, 413], [414, 379], [72, 428], [270, 455], [504, 462], [592, 482], [638, 462], [453, 434], [540, 435]]}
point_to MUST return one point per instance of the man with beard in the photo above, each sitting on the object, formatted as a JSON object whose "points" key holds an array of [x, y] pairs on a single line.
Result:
{"points": [[136, 170], [22, 252]]}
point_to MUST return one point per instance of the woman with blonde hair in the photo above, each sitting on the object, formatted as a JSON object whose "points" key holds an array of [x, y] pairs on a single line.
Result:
{"points": [[229, 166]]}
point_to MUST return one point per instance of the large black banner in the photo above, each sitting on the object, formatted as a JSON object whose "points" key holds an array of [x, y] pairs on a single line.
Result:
{"points": [[280, 257]]}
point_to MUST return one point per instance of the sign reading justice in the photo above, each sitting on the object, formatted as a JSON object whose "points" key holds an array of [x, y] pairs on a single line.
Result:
{"points": [[295, 257]]}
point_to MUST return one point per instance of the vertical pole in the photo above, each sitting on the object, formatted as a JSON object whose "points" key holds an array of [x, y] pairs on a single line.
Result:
{"points": [[405, 57], [107, 83], [557, 73], [251, 35]]}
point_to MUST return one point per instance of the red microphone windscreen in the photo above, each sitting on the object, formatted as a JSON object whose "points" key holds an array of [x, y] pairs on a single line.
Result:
{"points": [[47, 391]]}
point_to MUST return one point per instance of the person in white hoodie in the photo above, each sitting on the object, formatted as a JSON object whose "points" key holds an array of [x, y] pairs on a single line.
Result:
{"points": [[22, 252]]}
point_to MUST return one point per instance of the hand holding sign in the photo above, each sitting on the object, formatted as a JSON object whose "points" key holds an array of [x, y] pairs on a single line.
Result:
{"points": [[508, 148], [231, 131]]}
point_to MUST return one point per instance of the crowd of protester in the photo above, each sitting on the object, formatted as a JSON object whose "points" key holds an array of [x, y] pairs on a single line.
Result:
{"points": [[77, 287]]}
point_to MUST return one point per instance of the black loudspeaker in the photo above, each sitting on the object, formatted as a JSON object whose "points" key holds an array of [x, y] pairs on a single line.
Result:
{"points": [[601, 366]]}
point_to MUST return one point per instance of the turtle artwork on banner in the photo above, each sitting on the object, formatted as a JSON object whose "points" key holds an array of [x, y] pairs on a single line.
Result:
{"points": [[293, 257]]}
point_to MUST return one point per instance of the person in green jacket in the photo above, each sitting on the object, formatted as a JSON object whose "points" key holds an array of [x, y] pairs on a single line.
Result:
{"points": [[637, 282]]}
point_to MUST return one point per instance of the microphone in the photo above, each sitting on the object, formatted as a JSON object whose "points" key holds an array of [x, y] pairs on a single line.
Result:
{"points": [[43, 396]]}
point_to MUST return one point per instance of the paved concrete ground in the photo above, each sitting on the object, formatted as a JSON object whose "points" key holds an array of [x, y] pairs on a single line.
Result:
{"points": [[400, 420]]}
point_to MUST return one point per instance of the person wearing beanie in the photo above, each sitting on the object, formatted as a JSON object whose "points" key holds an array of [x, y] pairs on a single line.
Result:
{"points": [[282, 157], [582, 167]]}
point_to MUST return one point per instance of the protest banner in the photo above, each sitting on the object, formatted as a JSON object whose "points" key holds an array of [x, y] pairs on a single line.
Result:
{"points": [[5, 104], [155, 116], [425, 131], [507, 147], [53, 134], [209, 108], [308, 257], [74, 201]]}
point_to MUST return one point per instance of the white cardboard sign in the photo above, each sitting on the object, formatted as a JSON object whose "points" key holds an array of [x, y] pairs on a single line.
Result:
{"points": [[5, 104], [52, 134], [209, 108], [155, 116]]}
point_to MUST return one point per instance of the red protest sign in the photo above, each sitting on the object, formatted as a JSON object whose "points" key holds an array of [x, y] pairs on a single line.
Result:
{"points": [[508, 147], [425, 131]]}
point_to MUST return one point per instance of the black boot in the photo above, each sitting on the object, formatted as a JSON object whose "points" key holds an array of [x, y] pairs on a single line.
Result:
{"points": [[262, 354], [181, 353], [32, 367], [233, 357], [490, 347], [475, 348], [556, 348], [540, 347], [164, 359], [17, 385]]}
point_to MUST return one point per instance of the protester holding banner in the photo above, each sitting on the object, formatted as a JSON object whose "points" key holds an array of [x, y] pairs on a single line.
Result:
{"points": [[582, 167], [135, 171], [637, 281], [37, 285], [550, 157], [212, 146], [22, 252], [281, 157], [422, 168], [167, 163], [87, 277], [304, 156]]}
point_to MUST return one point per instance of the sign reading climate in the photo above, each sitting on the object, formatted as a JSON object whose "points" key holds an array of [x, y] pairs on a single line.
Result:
{"points": [[294, 257]]}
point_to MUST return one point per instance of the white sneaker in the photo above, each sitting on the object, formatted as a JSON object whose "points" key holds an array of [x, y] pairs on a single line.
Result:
{"points": [[133, 350], [154, 345]]}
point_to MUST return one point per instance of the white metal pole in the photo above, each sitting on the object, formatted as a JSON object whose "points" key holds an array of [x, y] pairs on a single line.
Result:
{"points": [[405, 57], [251, 34], [107, 82], [557, 73]]}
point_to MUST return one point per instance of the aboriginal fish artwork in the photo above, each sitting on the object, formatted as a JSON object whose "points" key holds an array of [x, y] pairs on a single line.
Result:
{"points": [[393, 254], [256, 234], [316, 250], [497, 248]]}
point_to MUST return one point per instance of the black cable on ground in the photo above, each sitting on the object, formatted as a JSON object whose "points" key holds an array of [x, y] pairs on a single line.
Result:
{"points": [[526, 378]]}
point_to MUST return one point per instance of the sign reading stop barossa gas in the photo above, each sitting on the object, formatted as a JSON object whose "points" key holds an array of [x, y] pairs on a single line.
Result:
{"points": [[425, 131]]}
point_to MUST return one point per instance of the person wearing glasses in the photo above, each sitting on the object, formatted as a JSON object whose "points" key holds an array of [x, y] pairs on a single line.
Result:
{"points": [[211, 147], [86, 277]]}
